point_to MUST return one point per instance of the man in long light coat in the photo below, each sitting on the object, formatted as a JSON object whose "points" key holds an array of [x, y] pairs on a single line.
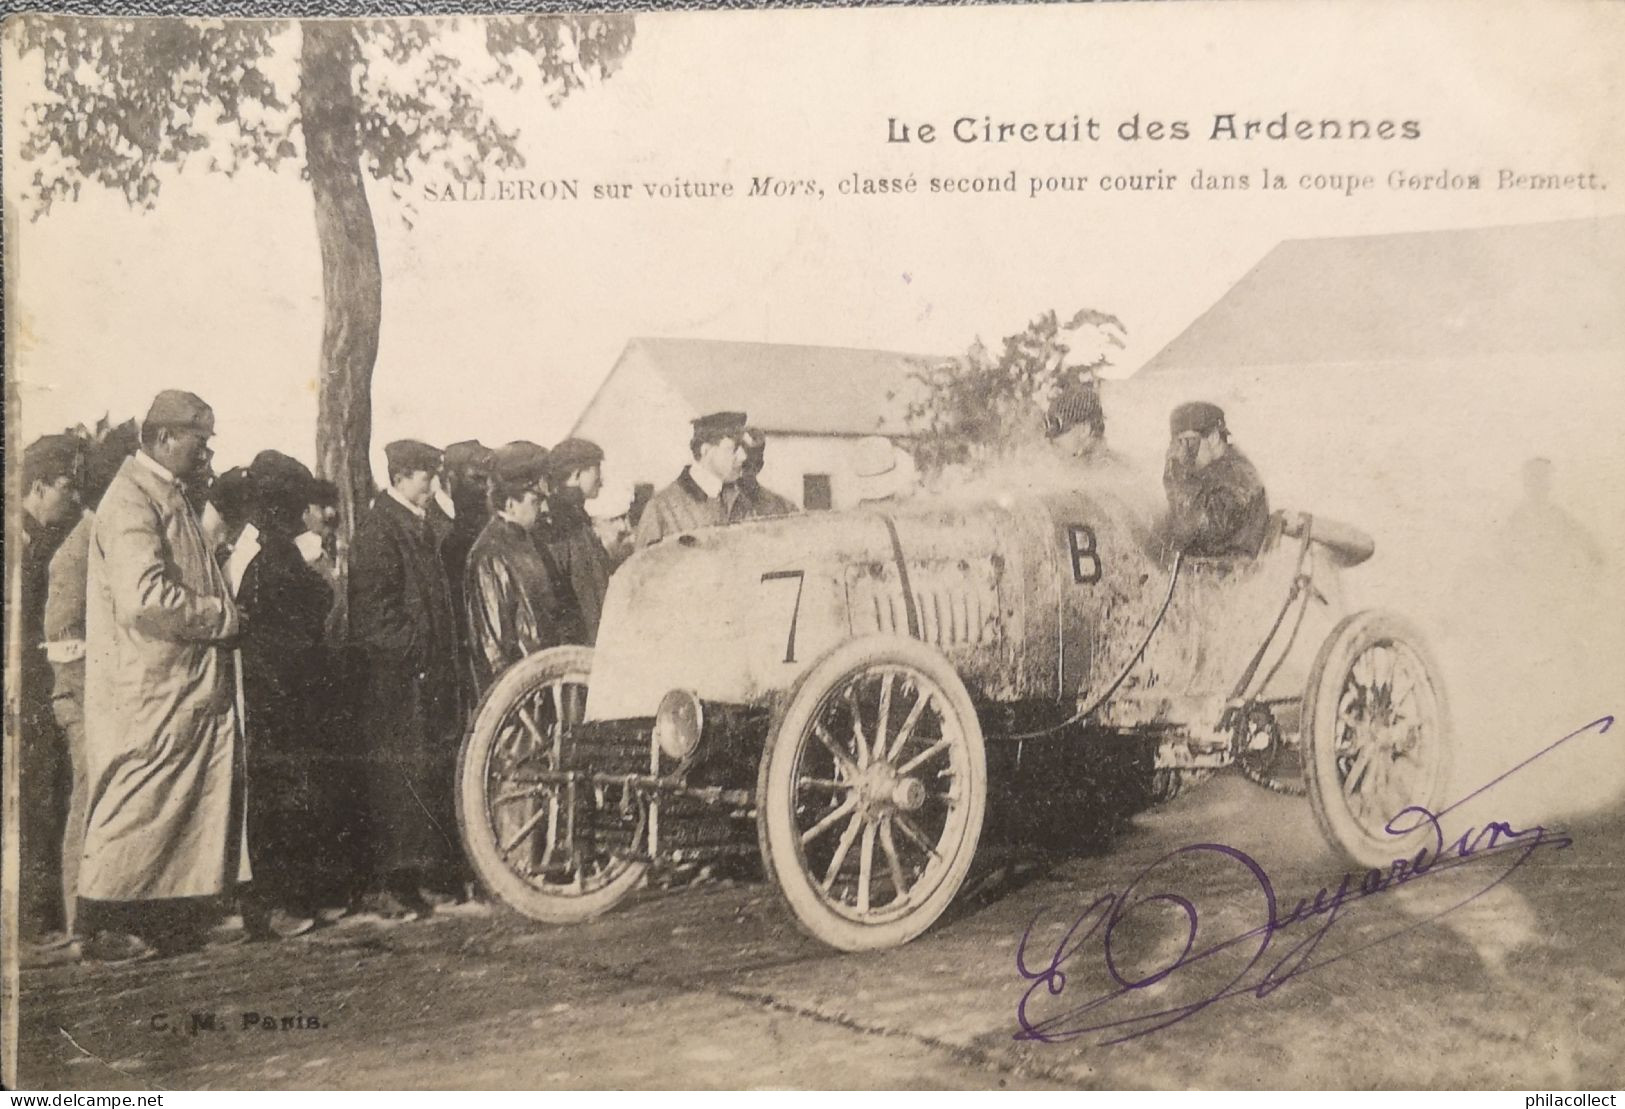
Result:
{"points": [[162, 732]]}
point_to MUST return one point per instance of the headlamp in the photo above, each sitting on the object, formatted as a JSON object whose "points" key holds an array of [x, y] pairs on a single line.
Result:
{"points": [[678, 723]]}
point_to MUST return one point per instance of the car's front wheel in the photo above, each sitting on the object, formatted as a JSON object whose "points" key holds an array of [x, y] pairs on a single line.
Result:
{"points": [[519, 828], [871, 793], [1376, 737]]}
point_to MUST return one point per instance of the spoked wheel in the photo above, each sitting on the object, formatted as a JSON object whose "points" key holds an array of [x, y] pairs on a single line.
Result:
{"points": [[1376, 737], [871, 793], [552, 853]]}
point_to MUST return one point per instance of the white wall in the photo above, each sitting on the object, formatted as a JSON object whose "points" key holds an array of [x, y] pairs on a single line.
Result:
{"points": [[789, 457], [642, 424]]}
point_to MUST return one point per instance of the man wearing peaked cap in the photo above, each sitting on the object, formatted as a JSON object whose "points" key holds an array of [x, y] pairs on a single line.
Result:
{"points": [[520, 462], [176, 434], [411, 456], [401, 615], [469, 456], [179, 410], [578, 462], [576, 476], [1196, 416], [705, 493], [162, 731], [518, 600], [714, 426], [1216, 500]]}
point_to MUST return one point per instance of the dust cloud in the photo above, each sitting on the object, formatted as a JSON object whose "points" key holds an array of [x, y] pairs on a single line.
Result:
{"points": [[1494, 491]]}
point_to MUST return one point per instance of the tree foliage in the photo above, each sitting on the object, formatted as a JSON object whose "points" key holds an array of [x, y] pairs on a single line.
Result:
{"points": [[983, 404], [124, 98]]}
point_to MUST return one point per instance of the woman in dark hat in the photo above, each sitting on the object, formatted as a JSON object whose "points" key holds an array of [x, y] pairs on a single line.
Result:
{"points": [[283, 667]]}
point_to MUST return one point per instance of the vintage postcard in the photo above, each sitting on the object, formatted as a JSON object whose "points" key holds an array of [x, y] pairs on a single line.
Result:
{"points": [[1006, 547]]}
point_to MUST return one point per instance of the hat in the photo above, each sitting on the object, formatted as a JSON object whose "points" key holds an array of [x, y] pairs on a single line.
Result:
{"points": [[408, 456], [882, 469], [469, 456], [611, 501], [1074, 405], [51, 457], [276, 475], [718, 426], [1198, 416], [519, 462], [574, 454], [180, 411], [232, 493]]}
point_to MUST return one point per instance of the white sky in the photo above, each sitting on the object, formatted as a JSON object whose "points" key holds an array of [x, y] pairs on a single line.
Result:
{"points": [[501, 318]]}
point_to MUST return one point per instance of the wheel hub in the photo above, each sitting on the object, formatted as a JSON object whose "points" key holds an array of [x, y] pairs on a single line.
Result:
{"points": [[881, 790]]}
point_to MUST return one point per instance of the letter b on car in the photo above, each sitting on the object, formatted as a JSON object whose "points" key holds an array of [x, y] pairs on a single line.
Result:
{"points": [[1080, 543]]}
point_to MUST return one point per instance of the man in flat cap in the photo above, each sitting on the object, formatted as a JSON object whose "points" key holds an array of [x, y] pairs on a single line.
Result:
{"points": [[401, 615], [705, 493], [284, 669], [756, 500], [519, 601], [163, 739], [65, 644], [1216, 500], [51, 474], [575, 476]]}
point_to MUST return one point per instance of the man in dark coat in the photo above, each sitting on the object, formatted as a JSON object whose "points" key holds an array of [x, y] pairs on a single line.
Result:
{"points": [[576, 476], [1216, 500], [518, 600], [284, 665], [50, 504], [706, 493], [757, 501], [401, 615]]}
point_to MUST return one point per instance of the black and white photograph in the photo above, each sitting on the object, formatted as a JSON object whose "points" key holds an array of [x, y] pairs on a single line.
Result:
{"points": [[1032, 547]]}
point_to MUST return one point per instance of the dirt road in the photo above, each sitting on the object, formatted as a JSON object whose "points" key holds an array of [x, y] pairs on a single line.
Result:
{"points": [[710, 986]]}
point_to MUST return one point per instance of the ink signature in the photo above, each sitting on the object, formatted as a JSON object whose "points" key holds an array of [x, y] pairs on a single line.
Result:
{"points": [[1266, 955]]}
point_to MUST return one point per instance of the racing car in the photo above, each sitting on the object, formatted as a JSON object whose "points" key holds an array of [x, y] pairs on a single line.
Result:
{"points": [[843, 692]]}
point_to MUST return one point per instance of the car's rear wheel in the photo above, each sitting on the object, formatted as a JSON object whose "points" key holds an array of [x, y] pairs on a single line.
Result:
{"points": [[871, 793], [516, 828], [1376, 735]]}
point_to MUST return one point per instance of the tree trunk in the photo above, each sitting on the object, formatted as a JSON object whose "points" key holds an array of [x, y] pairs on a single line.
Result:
{"points": [[351, 281]]}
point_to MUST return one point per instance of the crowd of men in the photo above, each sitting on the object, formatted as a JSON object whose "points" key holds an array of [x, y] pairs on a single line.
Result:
{"points": [[227, 712]]}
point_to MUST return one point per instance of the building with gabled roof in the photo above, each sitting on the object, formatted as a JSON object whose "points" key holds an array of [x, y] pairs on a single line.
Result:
{"points": [[815, 403], [1402, 381], [1416, 297]]}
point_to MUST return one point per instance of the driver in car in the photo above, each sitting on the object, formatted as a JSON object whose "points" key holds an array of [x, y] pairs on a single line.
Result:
{"points": [[1216, 500], [706, 493]]}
